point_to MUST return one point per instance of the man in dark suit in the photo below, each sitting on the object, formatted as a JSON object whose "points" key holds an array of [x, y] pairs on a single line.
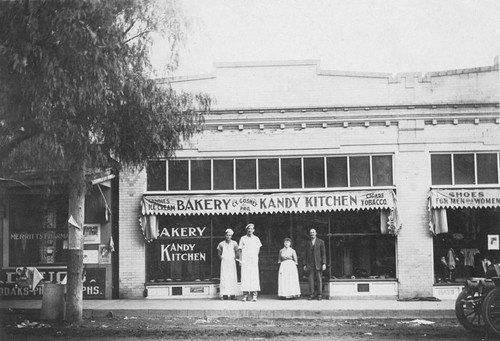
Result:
{"points": [[315, 263]]}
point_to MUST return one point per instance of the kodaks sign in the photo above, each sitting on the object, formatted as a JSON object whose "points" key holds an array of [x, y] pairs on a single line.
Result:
{"points": [[477, 198], [94, 286], [267, 203]]}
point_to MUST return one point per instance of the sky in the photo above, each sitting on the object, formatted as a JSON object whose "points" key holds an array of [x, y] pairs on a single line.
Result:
{"points": [[349, 35]]}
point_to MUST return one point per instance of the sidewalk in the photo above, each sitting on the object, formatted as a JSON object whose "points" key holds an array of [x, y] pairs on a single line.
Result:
{"points": [[265, 307]]}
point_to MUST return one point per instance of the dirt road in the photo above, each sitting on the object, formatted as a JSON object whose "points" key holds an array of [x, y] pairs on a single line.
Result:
{"points": [[153, 328]]}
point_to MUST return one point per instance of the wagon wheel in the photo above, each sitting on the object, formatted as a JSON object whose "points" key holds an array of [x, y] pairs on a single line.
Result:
{"points": [[468, 310], [491, 310]]}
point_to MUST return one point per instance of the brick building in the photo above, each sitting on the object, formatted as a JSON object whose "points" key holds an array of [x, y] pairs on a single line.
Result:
{"points": [[395, 172]]}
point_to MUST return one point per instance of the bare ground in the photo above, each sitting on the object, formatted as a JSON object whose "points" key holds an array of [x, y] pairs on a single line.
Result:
{"points": [[150, 328]]}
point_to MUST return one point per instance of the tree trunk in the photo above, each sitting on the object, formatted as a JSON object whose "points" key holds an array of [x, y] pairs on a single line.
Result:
{"points": [[76, 209]]}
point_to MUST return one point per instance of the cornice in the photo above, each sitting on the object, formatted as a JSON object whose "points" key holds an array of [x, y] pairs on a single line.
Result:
{"points": [[301, 118]]}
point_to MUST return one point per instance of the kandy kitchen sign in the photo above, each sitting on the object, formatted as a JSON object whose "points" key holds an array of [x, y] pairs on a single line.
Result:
{"points": [[181, 251], [267, 203]]}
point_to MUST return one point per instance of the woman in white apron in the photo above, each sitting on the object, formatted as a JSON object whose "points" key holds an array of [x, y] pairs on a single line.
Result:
{"points": [[288, 277]]}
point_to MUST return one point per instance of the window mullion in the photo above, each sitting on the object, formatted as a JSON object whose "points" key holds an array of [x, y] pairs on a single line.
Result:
{"points": [[166, 175], [234, 174], [325, 170], [257, 185], [279, 172], [302, 172], [212, 174], [475, 169], [452, 158], [348, 171], [371, 170], [189, 175]]}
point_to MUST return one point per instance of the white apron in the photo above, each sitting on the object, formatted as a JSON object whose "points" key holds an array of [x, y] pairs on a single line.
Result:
{"points": [[228, 277], [250, 247], [288, 277]]}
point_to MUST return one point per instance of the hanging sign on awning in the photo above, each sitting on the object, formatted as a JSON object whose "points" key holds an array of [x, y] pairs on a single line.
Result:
{"points": [[463, 198], [267, 203]]}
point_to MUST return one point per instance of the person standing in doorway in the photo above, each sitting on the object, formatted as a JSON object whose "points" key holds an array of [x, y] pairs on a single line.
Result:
{"points": [[315, 263], [228, 253], [249, 248]]}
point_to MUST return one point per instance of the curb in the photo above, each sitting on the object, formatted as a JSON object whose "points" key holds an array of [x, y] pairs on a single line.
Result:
{"points": [[254, 313]]}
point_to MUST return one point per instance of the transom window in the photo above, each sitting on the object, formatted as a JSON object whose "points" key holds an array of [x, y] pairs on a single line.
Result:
{"points": [[270, 173], [464, 169]]}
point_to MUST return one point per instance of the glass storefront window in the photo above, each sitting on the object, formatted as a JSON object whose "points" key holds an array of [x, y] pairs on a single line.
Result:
{"points": [[157, 180], [223, 174], [487, 169], [274, 173], [201, 175], [38, 230], [269, 173], [314, 172], [353, 240], [467, 241], [359, 171], [463, 165], [291, 173], [358, 248], [336, 171], [468, 169], [246, 172], [382, 170], [178, 175], [441, 169], [182, 252]]}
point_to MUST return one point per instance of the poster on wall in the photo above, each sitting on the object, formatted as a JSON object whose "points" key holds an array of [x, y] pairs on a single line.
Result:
{"points": [[91, 233], [90, 256], [104, 254], [493, 242]]}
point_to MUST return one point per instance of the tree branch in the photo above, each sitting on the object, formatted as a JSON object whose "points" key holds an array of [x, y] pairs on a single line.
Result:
{"points": [[136, 36]]}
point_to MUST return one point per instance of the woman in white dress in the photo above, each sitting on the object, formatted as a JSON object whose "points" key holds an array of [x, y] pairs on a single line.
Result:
{"points": [[228, 252], [288, 278]]}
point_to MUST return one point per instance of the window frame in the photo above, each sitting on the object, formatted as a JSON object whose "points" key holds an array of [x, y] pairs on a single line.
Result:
{"points": [[258, 175], [475, 183]]}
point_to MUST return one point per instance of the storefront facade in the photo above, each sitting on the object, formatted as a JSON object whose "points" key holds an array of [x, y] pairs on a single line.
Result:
{"points": [[34, 225], [289, 147]]}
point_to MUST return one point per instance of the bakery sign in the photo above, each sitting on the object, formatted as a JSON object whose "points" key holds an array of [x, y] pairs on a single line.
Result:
{"points": [[267, 203]]}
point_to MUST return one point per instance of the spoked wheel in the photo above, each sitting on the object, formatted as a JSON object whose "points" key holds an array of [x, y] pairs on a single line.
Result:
{"points": [[468, 310], [491, 310]]}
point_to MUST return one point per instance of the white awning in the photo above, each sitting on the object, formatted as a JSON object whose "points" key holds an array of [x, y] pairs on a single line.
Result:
{"points": [[267, 203], [464, 198]]}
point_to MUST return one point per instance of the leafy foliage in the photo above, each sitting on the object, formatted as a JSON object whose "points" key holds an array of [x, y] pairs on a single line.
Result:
{"points": [[76, 86]]}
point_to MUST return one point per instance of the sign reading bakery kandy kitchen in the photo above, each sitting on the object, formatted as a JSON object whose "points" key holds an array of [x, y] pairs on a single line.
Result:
{"points": [[267, 203]]}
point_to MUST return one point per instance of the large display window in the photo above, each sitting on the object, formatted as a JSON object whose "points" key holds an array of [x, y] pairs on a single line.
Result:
{"points": [[186, 247], [462, 251], [37, 230]]}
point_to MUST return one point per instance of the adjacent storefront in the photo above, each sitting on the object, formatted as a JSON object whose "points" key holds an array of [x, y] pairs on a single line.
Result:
{"points": [[35, 227], [465, 220]]}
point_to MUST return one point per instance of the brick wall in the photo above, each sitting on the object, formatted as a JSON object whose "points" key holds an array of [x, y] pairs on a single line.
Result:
{"points": [[414, 243], [131, 247], [305, 84]]}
